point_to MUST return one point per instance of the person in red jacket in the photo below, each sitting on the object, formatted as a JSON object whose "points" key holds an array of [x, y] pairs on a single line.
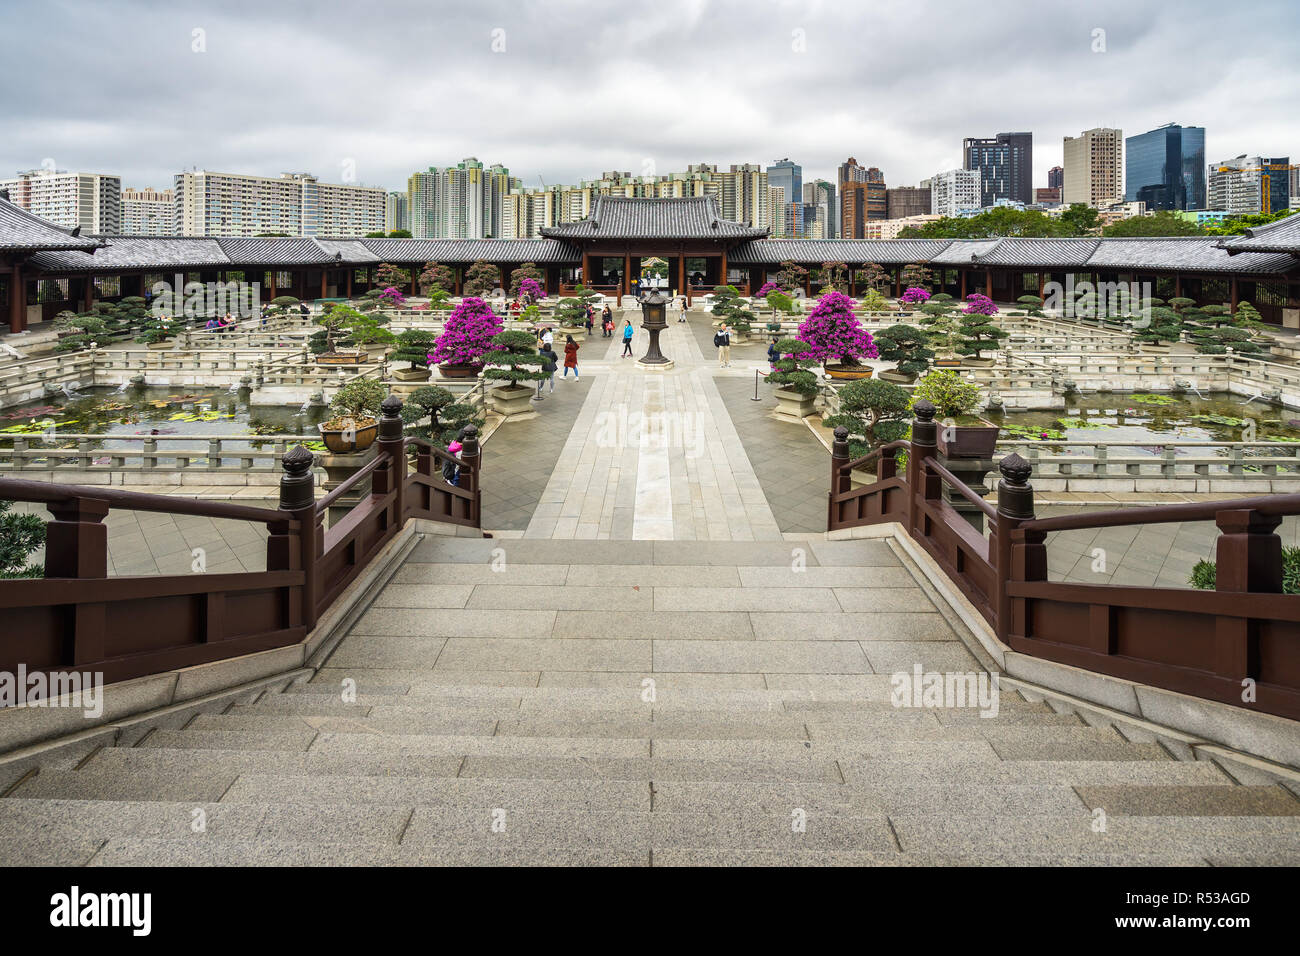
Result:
{"points": [[571, 357]]}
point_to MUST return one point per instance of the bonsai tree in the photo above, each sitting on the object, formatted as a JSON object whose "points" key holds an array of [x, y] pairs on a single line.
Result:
{"points": [[86, 327], [873, 411], [467, 334], [387, 275], [978, 333], [835, 333], [514, 359], [948, 393], [915, 274], [571, 313], [357, 402], [778, 301], [414, 346], [729, 308], [284, 305], [907, 346], [766, 289], [334, 323], [833, 277], [527, 278], [1033, 305], [392, 298], [481, 278], [793, 370], [446, 416], [1158, 324], [791, 275], [157, 329], [873, 301], [20, 535], [915, 296], [874, 276], [437, 278], [439, 300], [367, 330], [942, 326]]}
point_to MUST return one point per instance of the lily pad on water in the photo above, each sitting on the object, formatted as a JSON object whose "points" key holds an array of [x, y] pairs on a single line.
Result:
{"points": [[1146, 398]]}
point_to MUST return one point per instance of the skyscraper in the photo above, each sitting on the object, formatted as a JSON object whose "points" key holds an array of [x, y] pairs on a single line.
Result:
{"points": [[1094, 167], [1005, 164], [788, 177], [1165, 168], [91, 201], [955, 190], [820, 196], [1249, 185], [1055, 177], [464, 201], [904, 201], [396, 214]]}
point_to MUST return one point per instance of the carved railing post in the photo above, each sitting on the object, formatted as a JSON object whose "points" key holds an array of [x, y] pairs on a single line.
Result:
{"points": [[840, 480], [1248, 558], [392, 477], [1013, 552], [284, 553], [76, 546], [924, 445]]}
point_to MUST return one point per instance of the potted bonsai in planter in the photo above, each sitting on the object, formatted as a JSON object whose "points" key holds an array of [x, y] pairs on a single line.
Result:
{"points": [[354, 424], [908, 347], [158, 331], [943, 329], [514, 359], [874, 412], [964, 434], [414, 346], [437, 278], [445, 415], [466, 338], [977, 331], [796, 382], [329, 343], [837, 338]]}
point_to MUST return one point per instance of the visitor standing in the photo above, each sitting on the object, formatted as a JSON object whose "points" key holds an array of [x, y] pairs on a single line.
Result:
{"points": [[450, 468], [722, 339], [548, 339], [628, 332], [549, 366], [571, 357], [607, 323], [772, 354]]}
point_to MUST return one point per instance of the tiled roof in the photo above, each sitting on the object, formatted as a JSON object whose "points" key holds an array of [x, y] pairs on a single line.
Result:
{"points": [[882, 251], [19, 229], [620, 217], [1061, 253], [272, 251], [155, 253], [964, 252], [350, 250], [1280, 236], [1184, 254], [471, 250]]}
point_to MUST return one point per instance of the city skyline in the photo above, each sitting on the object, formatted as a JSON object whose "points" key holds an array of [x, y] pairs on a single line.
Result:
{"points": [[370, 109]]}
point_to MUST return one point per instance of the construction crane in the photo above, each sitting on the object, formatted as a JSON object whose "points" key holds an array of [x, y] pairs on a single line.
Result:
{"points": [[1266, 193]]}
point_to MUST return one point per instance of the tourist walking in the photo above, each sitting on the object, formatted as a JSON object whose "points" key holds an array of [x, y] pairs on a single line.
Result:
{"points": [[681, 306], [450, 469], [722, 339], [549, 366], [548, 338], [591, 313], [628, 332], [571, 358], [607, 322]]}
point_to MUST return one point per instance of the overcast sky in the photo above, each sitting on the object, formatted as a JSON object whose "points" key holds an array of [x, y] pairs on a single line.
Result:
{"points": [[565, 90]]}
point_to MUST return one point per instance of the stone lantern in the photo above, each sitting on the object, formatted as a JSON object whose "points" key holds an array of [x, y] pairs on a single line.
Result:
{"points": [[654, 319]]}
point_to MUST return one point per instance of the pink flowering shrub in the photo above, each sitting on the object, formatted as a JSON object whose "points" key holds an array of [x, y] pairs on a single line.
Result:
{"points": [[767, 287], [835, 333], [532, 287], [916, 296], [392, 297], [980, 305], [467, 335]]}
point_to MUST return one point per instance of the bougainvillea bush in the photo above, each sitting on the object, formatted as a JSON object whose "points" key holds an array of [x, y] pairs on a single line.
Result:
{"points": [[392, 298], [835, 333], [467, 335], [532, 287], [766, 288], [916, 296]]}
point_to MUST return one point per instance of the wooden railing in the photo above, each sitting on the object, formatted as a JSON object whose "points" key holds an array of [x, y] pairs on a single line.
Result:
{"points": [[1238, 644], [78, 619]]}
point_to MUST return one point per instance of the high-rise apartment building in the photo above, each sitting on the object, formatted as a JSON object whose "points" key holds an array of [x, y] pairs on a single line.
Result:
{"points": [[91, 201], [860, 203], [1056, 177], [788, 177], [296, 204], [819, 196], [1094, 167], [1165, 167], [148, 212], [1005, 164], [397, 212], [1249, 185], [903, 202], [956, 190], [465, 201]]}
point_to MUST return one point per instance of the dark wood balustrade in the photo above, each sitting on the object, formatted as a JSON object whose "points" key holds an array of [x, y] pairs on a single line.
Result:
{"points": [[77, 618], [1237, 642]]}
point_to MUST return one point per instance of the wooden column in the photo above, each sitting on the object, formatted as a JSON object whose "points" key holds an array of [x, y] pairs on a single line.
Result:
{"points": [[87, 293], [274, 276], [1248, 558], [627, 274], [505, 278], [722, 269], [681, 277], [350, 272], [988, 283], [76, 546], [459, 270], [898, 282], [1234, 295], [17, 300], [415, 281], [962, 296], [324, 283]]}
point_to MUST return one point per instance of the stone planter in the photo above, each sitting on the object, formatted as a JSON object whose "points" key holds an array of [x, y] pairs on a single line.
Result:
{"points": [[967, 441], [897, 377], [792, 404], [513, 400], [341, 358], [342, 440], [416, 374], [464, 370], [973, 362], [164, 344]]}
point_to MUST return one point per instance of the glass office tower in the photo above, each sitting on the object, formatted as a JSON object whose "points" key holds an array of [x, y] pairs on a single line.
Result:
{"points": [[1165, 168]]}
